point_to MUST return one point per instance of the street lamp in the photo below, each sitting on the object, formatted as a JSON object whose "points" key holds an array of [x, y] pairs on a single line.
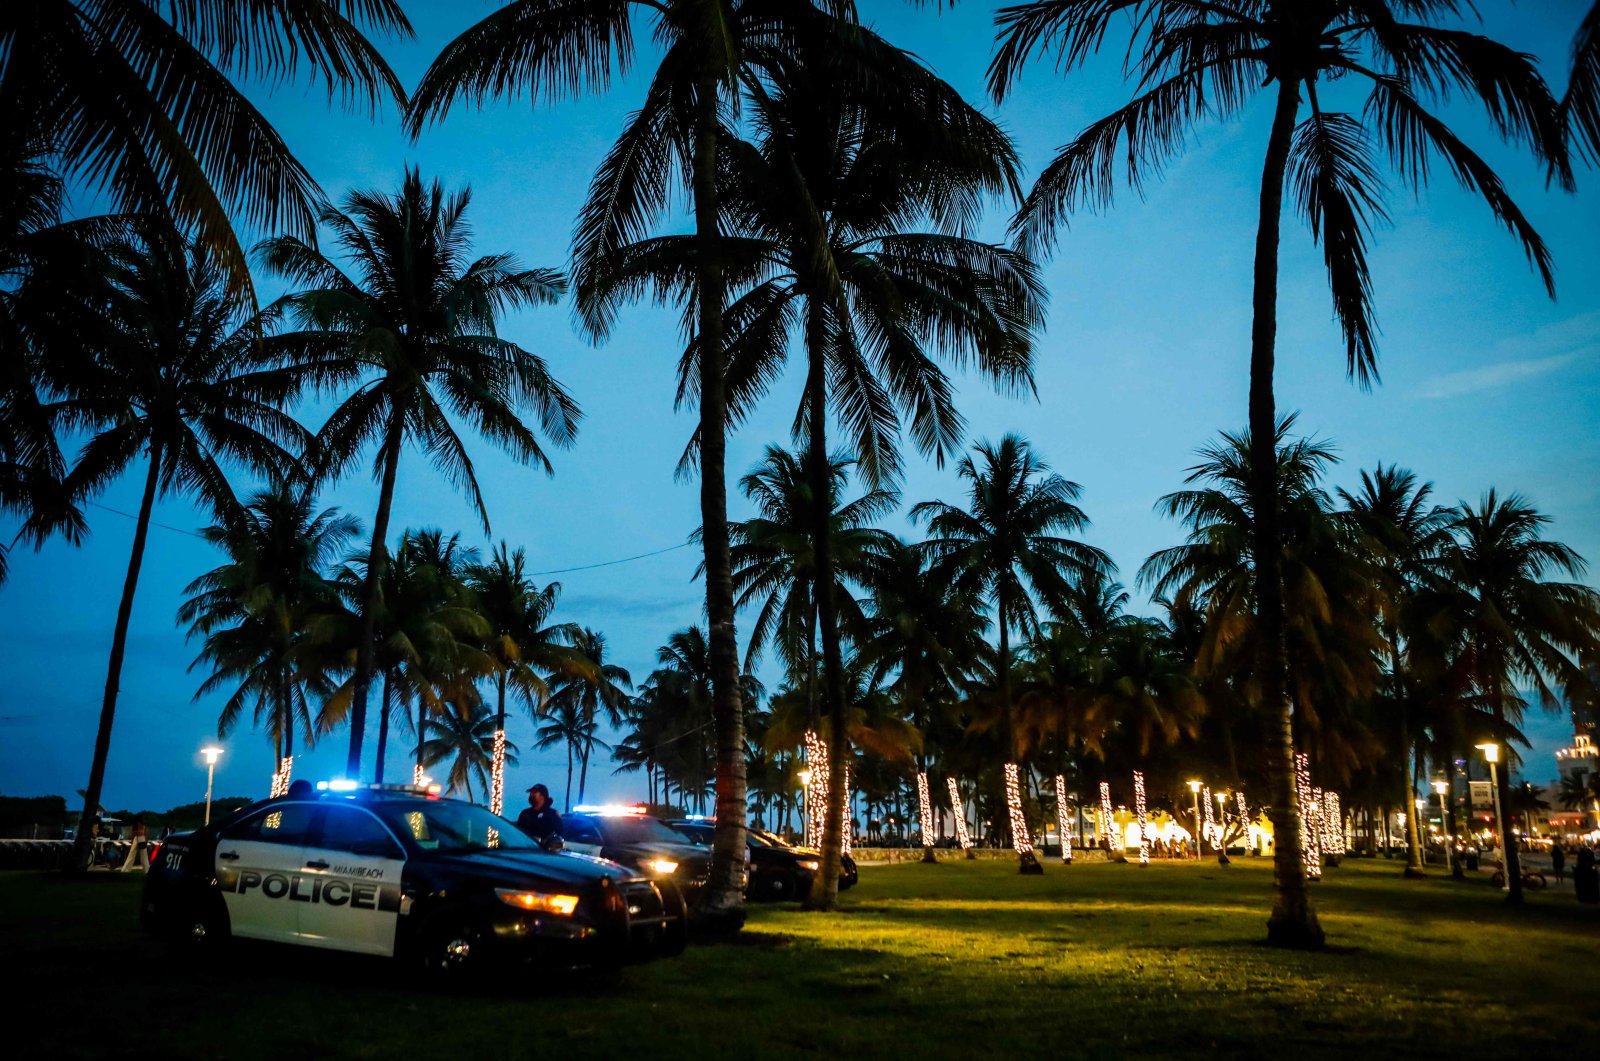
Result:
{"points": [[212, 753], [1491, 754], [1194, 787], [1442, 787]]}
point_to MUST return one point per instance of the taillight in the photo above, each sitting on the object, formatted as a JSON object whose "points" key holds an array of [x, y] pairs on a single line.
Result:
{"points": [[155, 853]]}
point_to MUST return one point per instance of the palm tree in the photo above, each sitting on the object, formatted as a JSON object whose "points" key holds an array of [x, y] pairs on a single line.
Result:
{"points": [[464, 734], [1009, 546], [712, 51], [253, 610], [565, 723], [1193, 60], [137, 102], [588, 689], [1402, 531], [412, 336], [522, 645], [1580, 108], [180, 380], [1513, 622], [1580, 791]]}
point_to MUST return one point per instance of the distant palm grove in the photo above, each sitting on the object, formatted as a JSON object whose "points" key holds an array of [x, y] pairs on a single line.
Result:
{"points": [[834, 185]]}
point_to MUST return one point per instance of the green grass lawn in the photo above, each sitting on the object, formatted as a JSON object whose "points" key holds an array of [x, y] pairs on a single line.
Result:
{"points": [[959, 960]]}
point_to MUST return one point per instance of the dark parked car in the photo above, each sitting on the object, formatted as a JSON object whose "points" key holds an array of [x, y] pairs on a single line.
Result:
{"points": [[627, 835], [396, 871], [778, 869]]}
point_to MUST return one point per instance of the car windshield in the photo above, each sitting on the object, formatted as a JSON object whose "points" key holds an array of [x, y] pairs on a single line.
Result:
{"points": [[633, 829], [451, 827]]}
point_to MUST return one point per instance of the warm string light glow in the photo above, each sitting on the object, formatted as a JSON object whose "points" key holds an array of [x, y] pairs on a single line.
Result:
{"points": [[1244, 817], [280, 776], [417, 776], [1332, 824], [845, 829], [1106, 821], [816, 787], [1139, 808], [1021, 841], [924, 809], [1208, 830], [497, 775], [1310, 847], [963, 837], [1061, 819]]}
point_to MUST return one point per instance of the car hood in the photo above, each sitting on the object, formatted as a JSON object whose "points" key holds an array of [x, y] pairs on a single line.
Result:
{"points": [[685, 854], [569, 867]]}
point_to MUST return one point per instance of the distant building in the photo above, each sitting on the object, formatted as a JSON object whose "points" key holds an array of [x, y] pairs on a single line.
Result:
{"points": [[1583, 756]]}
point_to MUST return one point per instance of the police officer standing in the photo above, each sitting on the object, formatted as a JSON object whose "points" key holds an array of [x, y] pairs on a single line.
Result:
{"points": [[540, 820]]}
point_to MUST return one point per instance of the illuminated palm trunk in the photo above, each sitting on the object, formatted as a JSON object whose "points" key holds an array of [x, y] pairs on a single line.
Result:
{"points": [[1106, 821], [1310, 846], [280, 776], [816, 788], [1139, 809], [1209, 830], [925, 816], [1021, 841], [963, 837], [1061, 820], [497, 773]]}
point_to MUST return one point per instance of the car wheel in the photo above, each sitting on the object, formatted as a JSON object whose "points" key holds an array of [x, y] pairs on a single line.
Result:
{"points": [[453, 950], [779, 888], [205, 928]]}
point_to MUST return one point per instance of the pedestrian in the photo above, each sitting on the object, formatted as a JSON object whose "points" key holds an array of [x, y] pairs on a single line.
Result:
{"points": [[540, 820], [1558, 860], [136, 850]]}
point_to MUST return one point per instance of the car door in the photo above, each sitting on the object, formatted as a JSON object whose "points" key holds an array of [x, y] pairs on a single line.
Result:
{"points": [[257, 861], [581, 835], [353, 865]]}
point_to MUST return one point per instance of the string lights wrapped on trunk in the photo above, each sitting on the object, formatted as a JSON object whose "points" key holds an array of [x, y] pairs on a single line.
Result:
{"points": [[1208, 831], [925, 815], [1310, 848], [1107, 823], [417, 776], [1061, 820], [1021, 841], [497, 774], [1139, 808], [963, 837], [280, 776], [817, 789], [1332, 825]]}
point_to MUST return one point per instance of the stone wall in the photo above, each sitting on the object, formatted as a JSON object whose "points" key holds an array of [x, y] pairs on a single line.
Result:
{"points": [[877, 856]]}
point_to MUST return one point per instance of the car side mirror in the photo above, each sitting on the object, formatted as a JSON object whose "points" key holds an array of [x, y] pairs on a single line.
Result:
{"points": [[553, 844]]}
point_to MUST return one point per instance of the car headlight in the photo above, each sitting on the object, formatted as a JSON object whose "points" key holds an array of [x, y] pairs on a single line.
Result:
{"points": [[539, 902], [662, 866], [811, 865]]}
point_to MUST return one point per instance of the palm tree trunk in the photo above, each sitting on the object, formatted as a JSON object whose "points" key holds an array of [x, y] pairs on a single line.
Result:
{"points": [[722, 900], [377, 560], [569, 776], [583, 771], [497, 764], [82, 847], [825, 886], [1413, 830], [1502, 786], [383, 727], [1292, 923]]}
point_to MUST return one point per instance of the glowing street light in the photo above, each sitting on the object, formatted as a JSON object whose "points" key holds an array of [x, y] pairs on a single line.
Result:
{"points": [[1491, 753], [1442, 788], [1194, 788], [212, 753]]}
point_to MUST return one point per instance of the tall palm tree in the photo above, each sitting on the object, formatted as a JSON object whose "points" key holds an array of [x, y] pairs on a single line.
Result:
{"points": [[1580, 107], [588, 690], [565, 723], [409, 339], [712, 51], [253, 610], [1402, 530], [1010, 546], [1514, 622], [137, 101], [522, 646], [179, 380], [463, 734], [1193, 60]]}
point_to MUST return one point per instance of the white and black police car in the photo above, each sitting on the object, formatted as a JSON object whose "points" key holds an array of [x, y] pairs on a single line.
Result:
{"points": [[397, 871]]}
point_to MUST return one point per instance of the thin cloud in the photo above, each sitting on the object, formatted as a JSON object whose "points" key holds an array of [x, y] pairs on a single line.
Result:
{"points": [[1571, 340]]}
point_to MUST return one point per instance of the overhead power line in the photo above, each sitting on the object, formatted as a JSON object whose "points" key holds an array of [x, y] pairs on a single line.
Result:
{"points": [[552, 571]]}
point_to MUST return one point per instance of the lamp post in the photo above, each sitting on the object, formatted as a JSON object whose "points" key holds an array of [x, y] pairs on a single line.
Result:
{"points": [[1194, 787], [212, 753], [1442, 788], [1491, 754]]}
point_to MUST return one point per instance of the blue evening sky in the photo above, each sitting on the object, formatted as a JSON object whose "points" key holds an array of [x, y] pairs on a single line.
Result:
{"points": [[1486, 382]]}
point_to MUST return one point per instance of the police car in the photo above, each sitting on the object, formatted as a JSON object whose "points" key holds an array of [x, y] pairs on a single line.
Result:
{"points": [[778, 869], [624, 833], [397, 871]]}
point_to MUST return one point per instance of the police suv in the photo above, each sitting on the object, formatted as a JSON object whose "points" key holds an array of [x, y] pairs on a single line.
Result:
{"points": [[397, 871]]}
